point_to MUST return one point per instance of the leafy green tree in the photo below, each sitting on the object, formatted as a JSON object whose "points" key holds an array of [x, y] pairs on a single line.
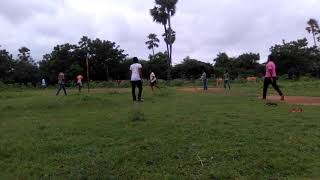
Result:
{"points": [[152, 42], [45, 69], [296, 57], [191, 69], [104, 60], [314, 59], [221, 63], [6, 66], [158, 64], [75, 69], [245, 65], [59, 60], [25, 69], [222, 60], [313, 28]]}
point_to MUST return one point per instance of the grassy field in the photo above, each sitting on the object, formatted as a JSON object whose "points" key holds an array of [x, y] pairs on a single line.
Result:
{"points": [[172, 135]]}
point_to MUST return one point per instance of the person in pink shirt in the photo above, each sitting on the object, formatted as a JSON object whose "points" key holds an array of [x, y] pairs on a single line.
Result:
{"points": [[79, 82], [271, 78]]}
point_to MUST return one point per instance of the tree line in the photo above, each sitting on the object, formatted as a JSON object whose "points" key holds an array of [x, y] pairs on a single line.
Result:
{"points": [[107, 61]]}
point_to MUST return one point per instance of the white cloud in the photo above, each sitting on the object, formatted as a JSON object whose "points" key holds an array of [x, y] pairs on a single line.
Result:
{"points": [[203, 27]]}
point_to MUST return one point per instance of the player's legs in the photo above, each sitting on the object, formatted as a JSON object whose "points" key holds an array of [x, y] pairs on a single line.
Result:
{"points": [[276, 87], [133, 90], [59, 89], [139, 84], [266, 84]]}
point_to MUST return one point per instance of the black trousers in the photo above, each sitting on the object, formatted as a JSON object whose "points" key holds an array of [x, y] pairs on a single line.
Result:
{"points": [[135, 84], [79, 86], [62, 87], [273, 82]]}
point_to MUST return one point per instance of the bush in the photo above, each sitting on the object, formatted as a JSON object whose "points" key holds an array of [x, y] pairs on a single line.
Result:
{"points": [[283, 77], [307, 78], [178, 82], [2, 85]]}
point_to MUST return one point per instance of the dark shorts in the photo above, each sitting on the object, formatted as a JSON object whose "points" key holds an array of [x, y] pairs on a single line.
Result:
{"points": [[153, 83]]}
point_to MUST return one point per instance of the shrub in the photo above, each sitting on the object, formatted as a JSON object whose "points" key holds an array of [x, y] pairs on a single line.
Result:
{"points": [[2, 85]]}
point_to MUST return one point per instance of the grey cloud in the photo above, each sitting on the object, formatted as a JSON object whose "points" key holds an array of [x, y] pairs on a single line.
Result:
{"points": [[19, 10], [203, 27]]}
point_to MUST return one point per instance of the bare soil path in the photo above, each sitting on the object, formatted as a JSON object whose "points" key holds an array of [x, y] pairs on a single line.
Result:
{"points": [[298, 100]]}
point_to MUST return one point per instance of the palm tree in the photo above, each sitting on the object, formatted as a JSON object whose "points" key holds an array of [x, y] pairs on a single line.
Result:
{"points": [[160, 16], [24, 53], [170, 9], [153, 42], [313, 27], [162, 13]]}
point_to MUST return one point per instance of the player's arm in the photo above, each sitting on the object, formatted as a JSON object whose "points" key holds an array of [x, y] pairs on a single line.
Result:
{"points": [[140, 72], [130, 71]]}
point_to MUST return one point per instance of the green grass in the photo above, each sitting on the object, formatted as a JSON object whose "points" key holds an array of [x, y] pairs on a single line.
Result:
{"points": [[104, 135], [290, 88]]}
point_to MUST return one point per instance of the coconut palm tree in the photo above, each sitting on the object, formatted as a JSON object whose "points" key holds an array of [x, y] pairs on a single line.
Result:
{"points": [[313, 27], [24, 53], [169, 7], [160, 16], [162, 13], [152, 42]]}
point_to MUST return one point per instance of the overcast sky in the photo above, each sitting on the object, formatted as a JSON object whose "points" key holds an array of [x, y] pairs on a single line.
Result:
{"points": [[204, 27]]}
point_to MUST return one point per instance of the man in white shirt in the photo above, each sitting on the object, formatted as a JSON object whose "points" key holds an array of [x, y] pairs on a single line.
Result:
{"points": [[153, 80], [136, 79], [204, 80], [43, 83]]}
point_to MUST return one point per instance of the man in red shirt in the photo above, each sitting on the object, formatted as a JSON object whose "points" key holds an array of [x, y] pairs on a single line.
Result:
{"points": [[271, 78]]}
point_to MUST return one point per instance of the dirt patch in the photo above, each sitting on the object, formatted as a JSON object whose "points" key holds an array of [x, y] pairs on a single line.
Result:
{"points": [[199, 90], [300, 100]]}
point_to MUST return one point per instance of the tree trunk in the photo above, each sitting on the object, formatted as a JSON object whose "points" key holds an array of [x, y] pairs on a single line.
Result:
{"points": [[165, 30], [107, 72], [170, 65], [170, 50], [152, 52], [168, 58], [314, 39], [88, 83]]}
